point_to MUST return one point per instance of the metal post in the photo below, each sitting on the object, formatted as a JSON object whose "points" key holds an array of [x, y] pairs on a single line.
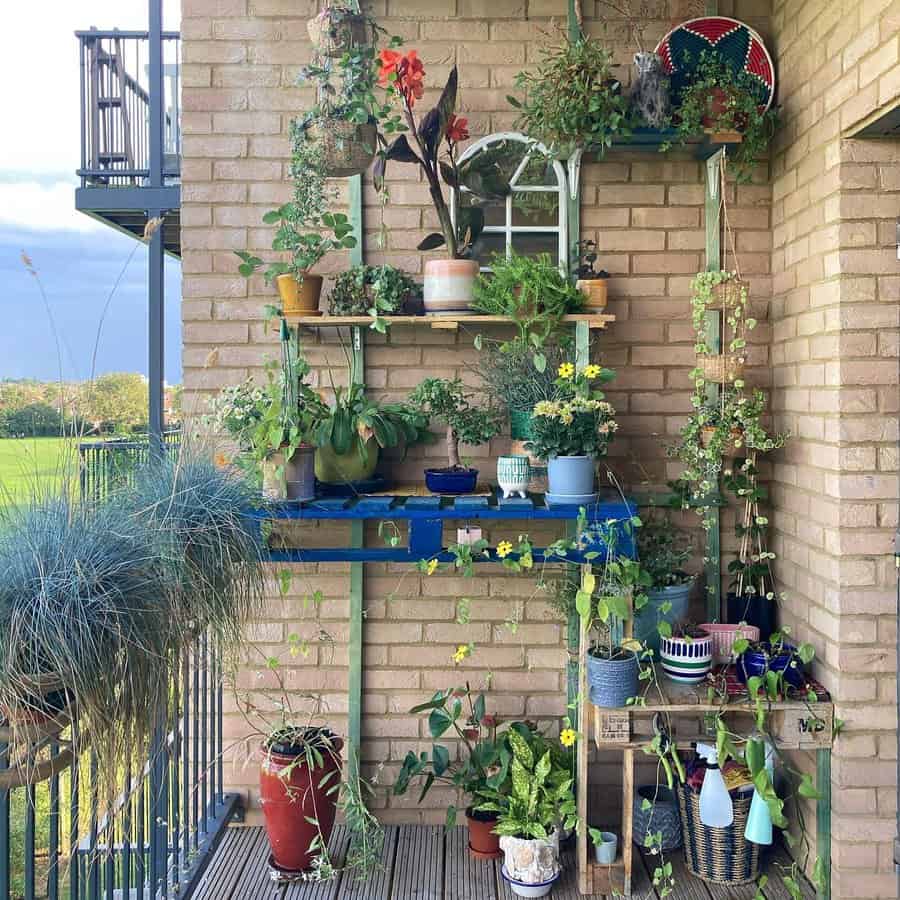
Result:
{"points": [[157, 95], [823, 818], [156, 350]]}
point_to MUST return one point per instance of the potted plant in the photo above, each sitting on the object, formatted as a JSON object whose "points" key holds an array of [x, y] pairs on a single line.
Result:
{"points": [[663, 551], [606, 845], [539, 805], [354, 431], [448, 282], [375, 291], [450, 403], [613, 667], [298, 288], [508, 372], [571, 100], [591, 283], [532, 292], [484, 764], [775, 665], [571, 431], [725, 293], [726, 102], [686, 654]]}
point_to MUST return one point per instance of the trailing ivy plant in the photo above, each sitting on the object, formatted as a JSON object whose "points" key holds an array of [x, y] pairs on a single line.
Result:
{"points": [[571, 100], [736, 321], [723, 98]]}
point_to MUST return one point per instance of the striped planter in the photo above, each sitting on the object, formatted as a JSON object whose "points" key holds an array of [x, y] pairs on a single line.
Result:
{"points": [[686, 660], [723, 637]]}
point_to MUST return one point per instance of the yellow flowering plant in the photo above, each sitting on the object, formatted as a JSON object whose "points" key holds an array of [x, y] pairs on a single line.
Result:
{"points": [[577, 421]]}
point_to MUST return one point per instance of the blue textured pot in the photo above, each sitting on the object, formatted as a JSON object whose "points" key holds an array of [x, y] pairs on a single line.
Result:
{"points": [[646, 619], [663, 816], [753, 663], [571, 480], [451, 481], [612, 681]]}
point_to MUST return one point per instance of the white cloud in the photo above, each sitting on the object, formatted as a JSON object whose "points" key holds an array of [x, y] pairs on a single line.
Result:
{"points": [[43, 206]]}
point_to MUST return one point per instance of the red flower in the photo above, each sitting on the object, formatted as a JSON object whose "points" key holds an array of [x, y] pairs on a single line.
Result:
{"points": [[457, 130], [404, 73], [489, 721]]}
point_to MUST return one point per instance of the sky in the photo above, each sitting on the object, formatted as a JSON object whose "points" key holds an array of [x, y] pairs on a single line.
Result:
{"points": [[78, 260]]}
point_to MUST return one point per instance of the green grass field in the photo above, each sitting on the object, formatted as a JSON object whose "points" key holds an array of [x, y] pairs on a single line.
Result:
{"points": [[35, 464]]}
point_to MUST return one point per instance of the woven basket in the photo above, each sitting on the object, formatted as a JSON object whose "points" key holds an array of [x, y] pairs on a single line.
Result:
{"points": [[347, 147], [723, 637], [728, 293], [335, 31], [731, 449], [718, 855], [721, 369]]}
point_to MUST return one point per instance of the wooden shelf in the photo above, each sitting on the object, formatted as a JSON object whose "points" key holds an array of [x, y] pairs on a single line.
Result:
{"points": [[595, 321], [651, 139]]}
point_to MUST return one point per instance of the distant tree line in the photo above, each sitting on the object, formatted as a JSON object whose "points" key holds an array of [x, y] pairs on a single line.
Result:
{"points": [[112, 403]]}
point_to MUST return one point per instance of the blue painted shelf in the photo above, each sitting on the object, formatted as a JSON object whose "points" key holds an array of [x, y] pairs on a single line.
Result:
{"points": [[426, 516]]}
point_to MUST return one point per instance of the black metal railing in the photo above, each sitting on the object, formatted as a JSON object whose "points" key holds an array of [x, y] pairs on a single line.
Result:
{"points": [[58, 840], [106, 465], [115, 107]]}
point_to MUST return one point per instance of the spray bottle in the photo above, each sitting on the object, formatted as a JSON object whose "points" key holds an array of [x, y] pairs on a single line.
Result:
{"points": [[716, 808], [760, 753]]}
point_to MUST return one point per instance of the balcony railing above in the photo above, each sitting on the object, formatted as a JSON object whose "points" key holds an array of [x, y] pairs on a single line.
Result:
{"points": [[115, 108]]}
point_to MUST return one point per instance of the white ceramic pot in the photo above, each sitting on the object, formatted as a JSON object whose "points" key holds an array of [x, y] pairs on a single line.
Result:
{"points": [[531, 862], [686, 660], [448, 286], [528, 890], [513, 475]]}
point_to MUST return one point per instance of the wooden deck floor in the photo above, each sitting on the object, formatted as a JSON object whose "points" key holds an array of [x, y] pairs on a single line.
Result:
{"points": [[423, 863]]}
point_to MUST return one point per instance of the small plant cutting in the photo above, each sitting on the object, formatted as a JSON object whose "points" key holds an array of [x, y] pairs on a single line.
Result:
{"points": [[375, 291], [432, 143], [533, 293], [448, 402], [537, 806], [572, 430], [590, 281], [484, 764], [729, 104], [571, 99]]}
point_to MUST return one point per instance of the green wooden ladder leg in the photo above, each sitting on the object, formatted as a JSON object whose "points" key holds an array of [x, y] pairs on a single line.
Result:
{"points": [[823, 818]]}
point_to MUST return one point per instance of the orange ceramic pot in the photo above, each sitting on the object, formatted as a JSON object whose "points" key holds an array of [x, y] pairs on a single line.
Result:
{"points": [[448, 286], [594, 290], [300, 298]]}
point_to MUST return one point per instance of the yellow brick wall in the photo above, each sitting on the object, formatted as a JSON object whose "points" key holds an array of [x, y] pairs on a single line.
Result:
{"points": [[836, 284], [814, 238]]}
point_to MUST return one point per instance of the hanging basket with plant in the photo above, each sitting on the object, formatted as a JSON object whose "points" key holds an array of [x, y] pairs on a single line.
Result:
{"points": [[337, 30], [347, 147], [726, 295]]}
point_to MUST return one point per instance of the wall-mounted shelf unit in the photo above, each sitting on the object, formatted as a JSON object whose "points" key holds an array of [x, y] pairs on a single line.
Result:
{"points": [[593, 321]]}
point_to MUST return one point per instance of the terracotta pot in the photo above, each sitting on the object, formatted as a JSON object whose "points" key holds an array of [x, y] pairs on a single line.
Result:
{"points": [[483, 843], [290, 794], [300, 298], [594, 291], [448, 286]]}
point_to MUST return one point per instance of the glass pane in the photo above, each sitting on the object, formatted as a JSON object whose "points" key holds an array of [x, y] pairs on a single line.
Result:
{"points": [[494, 210], [533, 244], [488, 244], [538, 171], [487, 172], [534, 208]]}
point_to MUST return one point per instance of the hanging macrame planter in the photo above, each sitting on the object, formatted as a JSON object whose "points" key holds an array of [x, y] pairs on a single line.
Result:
{"points": [[337, 30], [348, 148]]}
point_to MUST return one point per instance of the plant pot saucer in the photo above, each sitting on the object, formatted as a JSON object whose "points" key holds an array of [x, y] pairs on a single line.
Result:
{"points": [[480, 854], [280, 875], [555, 499]]}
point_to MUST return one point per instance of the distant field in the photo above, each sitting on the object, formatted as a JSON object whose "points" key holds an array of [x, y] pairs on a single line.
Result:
{"points": [[29, 464]]}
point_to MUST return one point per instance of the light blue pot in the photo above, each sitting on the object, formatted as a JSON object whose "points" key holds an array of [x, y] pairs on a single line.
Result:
{"points": [[571, 480], [645, 620]]}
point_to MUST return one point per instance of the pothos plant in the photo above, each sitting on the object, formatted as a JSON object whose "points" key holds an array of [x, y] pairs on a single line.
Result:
{"points": [[736, 321], [724, 98]]}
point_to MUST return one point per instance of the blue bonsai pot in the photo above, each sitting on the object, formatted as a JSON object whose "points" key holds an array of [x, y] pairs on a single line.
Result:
{"points": [[451, 481], [754, 663]]}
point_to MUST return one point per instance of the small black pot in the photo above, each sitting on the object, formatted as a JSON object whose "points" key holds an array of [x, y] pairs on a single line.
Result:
{"points": [[754, 610], [451, 481]]}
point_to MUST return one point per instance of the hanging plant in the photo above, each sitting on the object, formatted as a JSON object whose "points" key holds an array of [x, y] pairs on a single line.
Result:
{"points": [[727, 103], [339, 29], [726, 292]]}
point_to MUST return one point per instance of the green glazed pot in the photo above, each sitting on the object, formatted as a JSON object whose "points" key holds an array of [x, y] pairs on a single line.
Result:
{"points": [[520, 424], [341, 468]]}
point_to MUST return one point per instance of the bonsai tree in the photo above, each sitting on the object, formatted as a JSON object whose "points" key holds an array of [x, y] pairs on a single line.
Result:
{"points": [[447, 401]]}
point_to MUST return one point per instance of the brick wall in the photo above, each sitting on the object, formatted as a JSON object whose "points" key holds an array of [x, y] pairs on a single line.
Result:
{"points": [[808, 238], [836, 282]]}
